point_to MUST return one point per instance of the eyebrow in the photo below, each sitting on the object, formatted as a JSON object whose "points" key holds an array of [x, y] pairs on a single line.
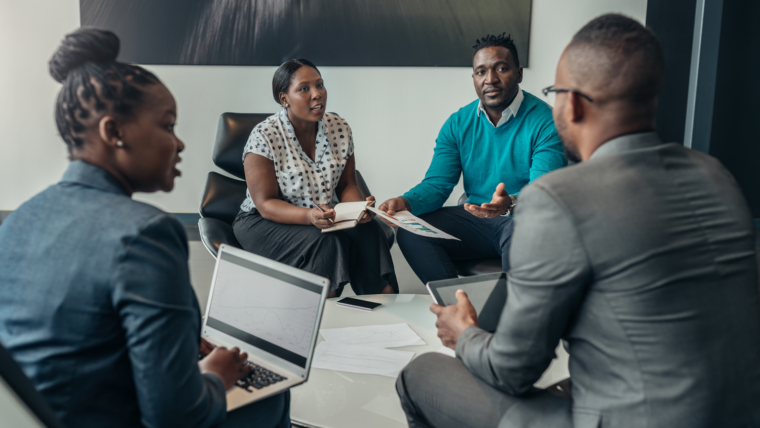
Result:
{"points": [[496, 63]]}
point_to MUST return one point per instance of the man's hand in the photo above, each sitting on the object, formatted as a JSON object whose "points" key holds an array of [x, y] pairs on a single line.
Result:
{"points": [[368, 215], [500, 203], [226, 364], [393, 205], [454, 319]]}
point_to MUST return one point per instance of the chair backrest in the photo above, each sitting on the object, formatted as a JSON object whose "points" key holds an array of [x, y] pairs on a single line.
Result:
{"points": [[462, 199], [222, 197], [231, 135], [20, 403]]}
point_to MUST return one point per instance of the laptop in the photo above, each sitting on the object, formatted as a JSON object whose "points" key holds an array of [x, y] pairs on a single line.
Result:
{"points": [[269, 310], [487, 293]]}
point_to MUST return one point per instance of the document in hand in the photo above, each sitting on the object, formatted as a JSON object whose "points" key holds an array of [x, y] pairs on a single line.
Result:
{"points": [[347, 215], [406, 221]]}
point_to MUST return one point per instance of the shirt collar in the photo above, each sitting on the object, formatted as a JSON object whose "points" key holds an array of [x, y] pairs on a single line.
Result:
{"points": [[626, 143], [88, 175], [508, 112]]}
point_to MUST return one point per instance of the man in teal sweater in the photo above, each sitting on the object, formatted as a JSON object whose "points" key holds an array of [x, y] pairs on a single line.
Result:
{"points": [[498, 143]]}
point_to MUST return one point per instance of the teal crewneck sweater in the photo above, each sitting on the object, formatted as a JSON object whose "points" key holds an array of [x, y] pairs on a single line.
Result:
{"points": [[516, 153]]}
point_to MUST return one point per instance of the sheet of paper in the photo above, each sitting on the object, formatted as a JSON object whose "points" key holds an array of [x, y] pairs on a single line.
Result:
{"points": [[360, 359], [375, 336], [406, 221]]}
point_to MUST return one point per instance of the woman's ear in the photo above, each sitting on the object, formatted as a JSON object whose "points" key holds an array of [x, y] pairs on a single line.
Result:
{"points": [[108, 130], [284, 100]]}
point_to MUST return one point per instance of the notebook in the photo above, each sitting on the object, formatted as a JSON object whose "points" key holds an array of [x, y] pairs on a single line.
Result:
{"points": [[347, 215]]}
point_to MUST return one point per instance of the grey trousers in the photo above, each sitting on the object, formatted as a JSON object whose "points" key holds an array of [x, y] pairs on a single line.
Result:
{"points": [[439, 391]]}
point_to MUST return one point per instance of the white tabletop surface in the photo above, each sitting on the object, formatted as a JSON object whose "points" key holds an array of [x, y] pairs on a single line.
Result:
{"points": [[340, 399]]}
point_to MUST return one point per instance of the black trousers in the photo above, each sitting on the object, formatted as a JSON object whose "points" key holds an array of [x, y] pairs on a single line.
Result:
{"points": [[359, 256]]}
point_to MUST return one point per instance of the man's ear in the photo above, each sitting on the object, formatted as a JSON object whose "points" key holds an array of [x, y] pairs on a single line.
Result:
{"points": [[108, 130], [577, 109], [519, 74]]}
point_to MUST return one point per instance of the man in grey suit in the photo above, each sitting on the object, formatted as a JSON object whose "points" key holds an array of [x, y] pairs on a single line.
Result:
{"points": [[641, 257]]}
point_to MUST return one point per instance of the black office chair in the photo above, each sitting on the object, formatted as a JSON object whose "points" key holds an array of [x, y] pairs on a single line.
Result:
{"points": [[223, 195], [22, 388], [476, 266]]}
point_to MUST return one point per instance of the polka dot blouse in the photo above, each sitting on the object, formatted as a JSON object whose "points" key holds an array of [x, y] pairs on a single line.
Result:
{"points": [[302, 180]]}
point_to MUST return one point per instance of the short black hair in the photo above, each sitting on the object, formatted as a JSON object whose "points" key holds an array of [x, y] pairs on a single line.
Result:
{"points": [[621, 56], [284, 74], [86, 65], [500, 40]]}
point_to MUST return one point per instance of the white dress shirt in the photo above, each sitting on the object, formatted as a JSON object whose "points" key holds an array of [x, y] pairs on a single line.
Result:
{"points": [[508, 112]]}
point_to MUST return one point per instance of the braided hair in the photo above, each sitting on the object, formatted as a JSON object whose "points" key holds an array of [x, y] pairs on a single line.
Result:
{"points": [[93, 81], [500, 40]]}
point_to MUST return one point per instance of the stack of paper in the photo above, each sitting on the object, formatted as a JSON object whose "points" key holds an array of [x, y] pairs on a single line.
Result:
{"points": [[360, 349]]}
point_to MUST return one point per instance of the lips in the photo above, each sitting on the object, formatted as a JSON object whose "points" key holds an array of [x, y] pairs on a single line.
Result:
{"points": [[318, 108], [492, 91]]}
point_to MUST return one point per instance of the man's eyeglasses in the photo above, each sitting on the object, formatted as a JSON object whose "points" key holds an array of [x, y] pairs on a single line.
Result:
{"points": [[549, 89]]}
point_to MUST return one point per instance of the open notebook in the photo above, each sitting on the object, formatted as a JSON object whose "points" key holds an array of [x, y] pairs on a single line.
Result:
{"points": [[347, 215]]}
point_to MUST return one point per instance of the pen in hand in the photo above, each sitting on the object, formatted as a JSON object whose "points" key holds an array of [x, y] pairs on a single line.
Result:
{"points": [[320, 209]]}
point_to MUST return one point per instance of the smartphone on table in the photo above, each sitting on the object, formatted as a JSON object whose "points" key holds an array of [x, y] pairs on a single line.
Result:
{"points": [[358, 304]]}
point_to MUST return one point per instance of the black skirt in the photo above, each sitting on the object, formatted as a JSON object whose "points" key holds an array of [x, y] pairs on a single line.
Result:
{"points": [[359, 256]]}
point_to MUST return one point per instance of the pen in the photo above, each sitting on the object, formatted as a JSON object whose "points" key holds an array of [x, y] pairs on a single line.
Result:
{"points": [[320, 209]]}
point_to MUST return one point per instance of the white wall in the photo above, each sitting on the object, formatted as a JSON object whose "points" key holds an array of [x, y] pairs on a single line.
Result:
{"points": [[395, 112]]}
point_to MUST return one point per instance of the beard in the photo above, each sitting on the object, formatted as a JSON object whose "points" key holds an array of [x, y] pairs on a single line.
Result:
{"points": [[569, 147]]}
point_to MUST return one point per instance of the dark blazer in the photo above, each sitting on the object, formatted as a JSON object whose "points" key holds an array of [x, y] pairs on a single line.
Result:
{"points": [[96, 306], [643, 259]]}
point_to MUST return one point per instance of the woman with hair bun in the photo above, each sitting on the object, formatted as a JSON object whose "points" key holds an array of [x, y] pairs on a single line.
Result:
{"points": [[299, 163], [95, 297]]}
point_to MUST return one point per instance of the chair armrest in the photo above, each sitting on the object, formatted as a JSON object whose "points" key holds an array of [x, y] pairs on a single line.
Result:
{"points": [[214, 233]]}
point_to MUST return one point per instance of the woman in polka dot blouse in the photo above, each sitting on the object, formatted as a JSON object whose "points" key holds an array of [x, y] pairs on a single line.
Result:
{"points": [[296, 160]]}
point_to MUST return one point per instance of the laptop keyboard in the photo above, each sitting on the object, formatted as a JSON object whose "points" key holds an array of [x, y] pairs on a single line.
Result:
{"points": [[259, 378]]}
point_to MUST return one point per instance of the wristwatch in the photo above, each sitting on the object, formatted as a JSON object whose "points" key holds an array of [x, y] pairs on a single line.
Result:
{"points": [[511, 206]]}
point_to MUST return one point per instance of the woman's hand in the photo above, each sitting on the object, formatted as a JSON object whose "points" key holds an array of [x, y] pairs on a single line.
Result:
{"points": [[368, 215], [322, 219]]}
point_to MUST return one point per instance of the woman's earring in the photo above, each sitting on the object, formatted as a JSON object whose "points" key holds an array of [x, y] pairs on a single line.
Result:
{"points": [[119, 143]]}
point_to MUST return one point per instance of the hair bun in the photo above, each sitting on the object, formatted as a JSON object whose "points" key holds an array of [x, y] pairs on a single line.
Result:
{"points": [[86, 44]]}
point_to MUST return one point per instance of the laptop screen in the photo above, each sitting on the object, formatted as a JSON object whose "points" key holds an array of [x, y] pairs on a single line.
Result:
{"points": [[265, 308]]}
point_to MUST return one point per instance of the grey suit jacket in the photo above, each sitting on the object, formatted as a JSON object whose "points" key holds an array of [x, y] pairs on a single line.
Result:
{"points": [[642, 258]]}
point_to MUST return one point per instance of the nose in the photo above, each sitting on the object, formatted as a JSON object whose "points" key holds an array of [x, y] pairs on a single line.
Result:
{"points": [[316, 94], [490, 76], [180, 146]]}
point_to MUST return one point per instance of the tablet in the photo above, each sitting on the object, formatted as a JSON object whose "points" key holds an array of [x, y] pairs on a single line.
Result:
{"points": [[487, 293]]}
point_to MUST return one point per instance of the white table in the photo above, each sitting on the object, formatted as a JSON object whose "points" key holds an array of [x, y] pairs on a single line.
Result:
{"points": [[340, 399]]}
